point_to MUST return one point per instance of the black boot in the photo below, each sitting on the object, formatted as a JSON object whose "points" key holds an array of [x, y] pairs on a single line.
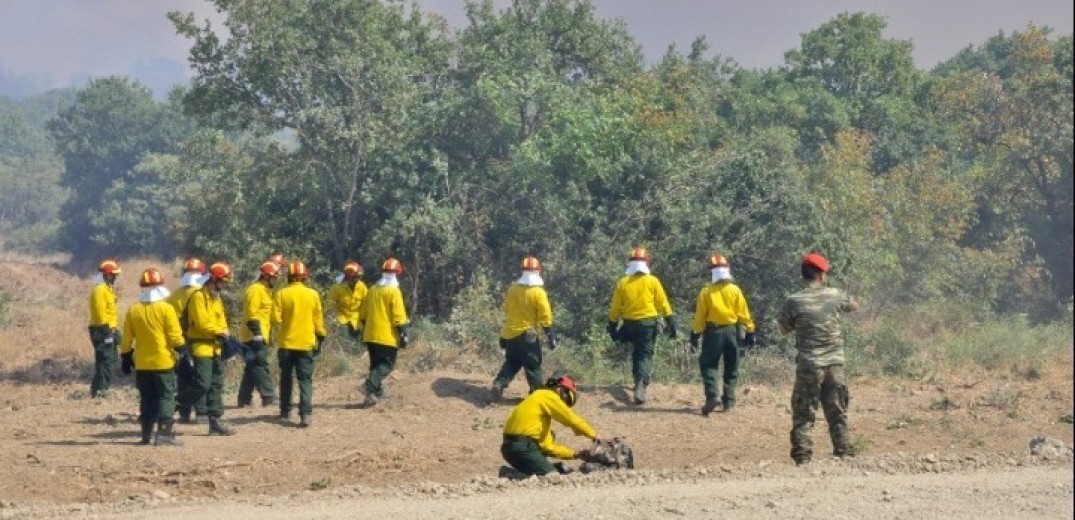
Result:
{"points": [[710, 405], [165, 436], [217, 427], [147, 430], [640, 392]]}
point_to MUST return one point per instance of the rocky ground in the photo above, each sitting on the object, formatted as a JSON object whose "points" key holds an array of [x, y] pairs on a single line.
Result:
{"points": [[947, 448]]}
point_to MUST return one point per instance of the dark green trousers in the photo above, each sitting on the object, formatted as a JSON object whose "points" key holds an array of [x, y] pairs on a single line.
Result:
{"points": [[256, 376], [382, 362], [523, 454], [718, 343], [204, 393], [642, 334], [520, 354], [296, 364], [156, 395], [814, 385], [105, 356]]}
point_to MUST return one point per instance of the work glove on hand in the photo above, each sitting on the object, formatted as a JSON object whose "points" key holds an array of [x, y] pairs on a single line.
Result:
{"points": [[182, 355], [550, 335], [749, 341], [126, 364], [117, 337], [613, 331], [317, 347], [404, 338], [671, 324], [695, 339]]}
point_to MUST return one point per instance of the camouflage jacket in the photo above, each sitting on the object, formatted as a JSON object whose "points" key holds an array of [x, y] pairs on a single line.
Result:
{"points": [[814, 315]]}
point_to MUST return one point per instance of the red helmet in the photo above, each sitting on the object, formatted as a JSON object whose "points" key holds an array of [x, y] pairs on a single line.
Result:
{"points": [[278, 259], [151, 277], [352, 269], [220, 272], [110, 266], [639, 253], [193, 264], [564, 386], [392, 266], [531, 264], [269, 268], [816, 261], [718, 260], [297, 270]]}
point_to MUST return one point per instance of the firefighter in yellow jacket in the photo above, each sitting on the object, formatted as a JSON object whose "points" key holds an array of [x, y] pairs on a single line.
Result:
{"points": [[526, 312], [383, 319], [346, 298], [151, 336], [640, 301], [104, 327], [254, 334], [207, 329], [191, 279], [720, 312], [528, 436], [297, 310]]}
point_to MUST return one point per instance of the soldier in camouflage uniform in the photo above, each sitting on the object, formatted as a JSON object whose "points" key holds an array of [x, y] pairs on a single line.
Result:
{"points": [[814, 315]]}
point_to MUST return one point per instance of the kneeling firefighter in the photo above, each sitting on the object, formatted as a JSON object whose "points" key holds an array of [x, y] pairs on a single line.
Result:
{"points": [[528, 436]]}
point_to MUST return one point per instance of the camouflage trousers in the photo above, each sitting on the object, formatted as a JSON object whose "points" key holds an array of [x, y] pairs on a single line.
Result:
{"points": [[814, 385]]}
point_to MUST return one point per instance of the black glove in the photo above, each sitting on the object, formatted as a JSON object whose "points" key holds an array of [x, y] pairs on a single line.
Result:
{"points": [[671, 324], [317, 348], [551, 336], [695, 338], [749, 341], [126, 364], [117, 336], [613, 330], [182, 356], [403, 337]]}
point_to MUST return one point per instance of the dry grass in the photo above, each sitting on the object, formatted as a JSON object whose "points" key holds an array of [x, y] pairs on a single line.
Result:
{"points": [[46, 338]]}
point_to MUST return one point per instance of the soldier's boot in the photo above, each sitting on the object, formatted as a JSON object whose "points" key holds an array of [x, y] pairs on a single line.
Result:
{"points": [[268, 401], [243, 402], [285, 416], [147, 430], [728, 399], [217, 427], [305, 421], [562, 468], [165, 435], [640, 392], [727, 405], [841, 445], [496, 393], [711, 404]]}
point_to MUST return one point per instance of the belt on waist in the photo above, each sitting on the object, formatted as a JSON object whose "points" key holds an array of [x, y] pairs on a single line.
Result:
{"points": [[716, 326], [644, 321], [517, 438]]}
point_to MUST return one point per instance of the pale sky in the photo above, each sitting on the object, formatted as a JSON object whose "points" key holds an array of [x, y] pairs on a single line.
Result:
{"points": [[50, 43]]}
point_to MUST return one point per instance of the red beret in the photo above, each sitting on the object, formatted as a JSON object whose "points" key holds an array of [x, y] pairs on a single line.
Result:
{"points": [[817, 261]]}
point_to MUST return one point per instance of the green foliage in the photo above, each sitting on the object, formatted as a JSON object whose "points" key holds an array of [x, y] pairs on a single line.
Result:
{"points": [[5, 308]]}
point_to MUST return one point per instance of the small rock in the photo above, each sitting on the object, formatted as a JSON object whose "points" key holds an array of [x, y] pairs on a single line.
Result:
{"points": [[1042, 446], [161, 495]]}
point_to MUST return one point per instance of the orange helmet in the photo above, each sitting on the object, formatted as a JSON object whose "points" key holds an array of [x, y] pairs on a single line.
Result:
{"points": [[278, 258], [151, 277], [392, 266], [564, 386], [297, 269], [817, 261], [639, 253], [220, 272], [110, 266], [718, 260], [269, 268], [193, 264], [352, 269], [531, 264]]}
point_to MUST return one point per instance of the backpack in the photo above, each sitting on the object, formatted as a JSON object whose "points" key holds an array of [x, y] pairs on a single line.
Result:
{"points": [[609, 454]]}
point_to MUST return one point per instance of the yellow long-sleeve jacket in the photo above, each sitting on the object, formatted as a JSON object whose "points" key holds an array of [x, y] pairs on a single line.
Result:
{"points": [[207, 321], [152, 331], [639, 296], [721, 303], [533, 418], [525, 307], [346, 301], [381, 313], [257, 305], [103, 310], [297, 310], [179, 299]]}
